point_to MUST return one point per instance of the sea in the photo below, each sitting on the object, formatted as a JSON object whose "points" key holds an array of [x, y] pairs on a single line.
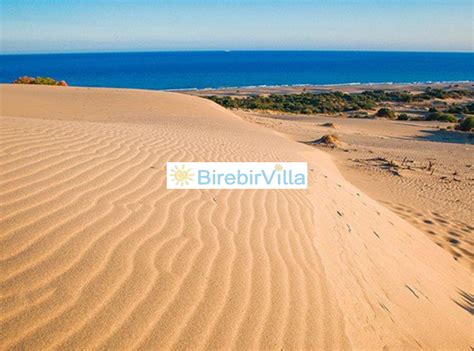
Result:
{"points": [[218, 69]]}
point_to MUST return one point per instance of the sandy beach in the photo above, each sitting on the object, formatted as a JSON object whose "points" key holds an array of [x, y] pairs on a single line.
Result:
{"points": [[96, 253], [308, 88]]}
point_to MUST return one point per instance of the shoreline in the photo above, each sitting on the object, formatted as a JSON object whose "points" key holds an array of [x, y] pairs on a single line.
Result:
{"points": [[276, 86], [320, 88]]}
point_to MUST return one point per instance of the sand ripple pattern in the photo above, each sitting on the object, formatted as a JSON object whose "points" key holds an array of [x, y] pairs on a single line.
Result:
{"points": [[97, 254]]}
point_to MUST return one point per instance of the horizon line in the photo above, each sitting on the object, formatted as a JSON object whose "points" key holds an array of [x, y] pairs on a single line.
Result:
{"points": [[16, 53]]}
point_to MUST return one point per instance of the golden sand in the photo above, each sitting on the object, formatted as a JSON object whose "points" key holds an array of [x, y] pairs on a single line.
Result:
{"points": [[96, 253]]}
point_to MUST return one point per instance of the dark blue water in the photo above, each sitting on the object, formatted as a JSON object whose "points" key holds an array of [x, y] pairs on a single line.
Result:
{"points": [[178, 70]]}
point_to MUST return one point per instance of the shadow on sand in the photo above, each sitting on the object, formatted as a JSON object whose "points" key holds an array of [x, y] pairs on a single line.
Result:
{"points": [[466, 301], [447, 136]]}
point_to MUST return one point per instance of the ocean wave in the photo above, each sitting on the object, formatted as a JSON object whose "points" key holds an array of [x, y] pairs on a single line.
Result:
{"points": [[276, 86]]}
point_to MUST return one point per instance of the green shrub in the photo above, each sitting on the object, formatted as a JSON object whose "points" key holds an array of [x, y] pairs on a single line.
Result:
{"points": [[385, 112], [45, 81], [24, 80], [431, 93], [462, 108], [442, 117], [403, 117], [39, 81], [467, 124], [469, 108]]}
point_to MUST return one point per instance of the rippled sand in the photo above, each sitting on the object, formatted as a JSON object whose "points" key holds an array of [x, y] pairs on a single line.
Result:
{"points": [[96, 253]]}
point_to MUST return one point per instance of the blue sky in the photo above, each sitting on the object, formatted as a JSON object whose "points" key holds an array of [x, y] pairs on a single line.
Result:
{"points": [[79, 25]]}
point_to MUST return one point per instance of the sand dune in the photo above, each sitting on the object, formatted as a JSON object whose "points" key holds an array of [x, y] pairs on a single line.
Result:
{"points": [[96, 253], [390, 161]]}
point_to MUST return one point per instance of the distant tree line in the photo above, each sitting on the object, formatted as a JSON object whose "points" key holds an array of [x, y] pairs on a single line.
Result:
{"points": [[334, 102]]}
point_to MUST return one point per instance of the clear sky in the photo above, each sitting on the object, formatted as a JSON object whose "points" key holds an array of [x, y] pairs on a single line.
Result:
{"points": [[126, 25]]}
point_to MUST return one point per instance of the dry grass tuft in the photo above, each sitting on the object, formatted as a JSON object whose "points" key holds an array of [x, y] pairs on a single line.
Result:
{"points": [[329, 140]]}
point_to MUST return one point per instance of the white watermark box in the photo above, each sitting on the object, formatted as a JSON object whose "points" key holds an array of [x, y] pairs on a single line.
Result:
{"points": [[236, 175]]}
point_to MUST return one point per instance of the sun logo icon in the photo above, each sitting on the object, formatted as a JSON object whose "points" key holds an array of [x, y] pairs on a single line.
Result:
{"points": [[182, 175], [278, 167]]}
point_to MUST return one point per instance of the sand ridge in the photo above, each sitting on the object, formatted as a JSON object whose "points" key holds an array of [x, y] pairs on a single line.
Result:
{"points": [[97, 254]]}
